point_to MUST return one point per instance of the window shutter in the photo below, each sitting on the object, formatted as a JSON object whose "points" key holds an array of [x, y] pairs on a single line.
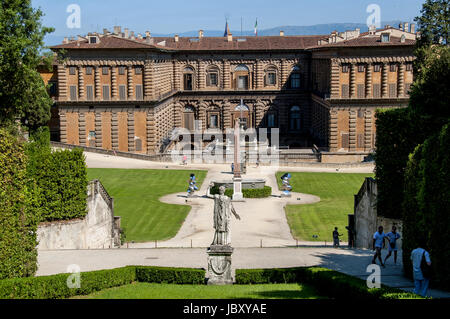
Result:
{"points": [[106, 92], [361, 91], [208, 79], [392, 90], [138, 92], [345, 91], [73, 93], [360, 142], [376, 91], [89, 93], [122, 92], [345, 140]]}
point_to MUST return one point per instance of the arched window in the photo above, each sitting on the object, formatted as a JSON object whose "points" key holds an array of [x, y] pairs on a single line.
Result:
{"points": [[294, 118], [189, 118], [270, 78], [212, 76], [295, 78], [188, 78], [241, 73]]}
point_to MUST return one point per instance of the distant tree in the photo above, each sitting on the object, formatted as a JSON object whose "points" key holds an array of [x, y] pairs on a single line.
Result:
{"points": [[434, 23], [23, 94]]}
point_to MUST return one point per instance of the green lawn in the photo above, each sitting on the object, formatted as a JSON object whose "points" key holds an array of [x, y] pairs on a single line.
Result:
{"points": [[136, 193], [142, 290], [336, 192]]}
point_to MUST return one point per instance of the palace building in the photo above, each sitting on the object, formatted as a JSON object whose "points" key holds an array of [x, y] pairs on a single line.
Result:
{"points": [[128, 92]]}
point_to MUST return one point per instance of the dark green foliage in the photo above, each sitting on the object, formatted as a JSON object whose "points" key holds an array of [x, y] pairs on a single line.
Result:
{"points": [[61, 177], [247, 192], [426, 205], [55, 286], [395, 141], [328, 282], [434, 23], [18, 219], [22, 91], [170, 275]]}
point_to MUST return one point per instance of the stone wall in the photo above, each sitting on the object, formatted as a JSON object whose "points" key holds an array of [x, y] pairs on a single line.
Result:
{"points": [[367, 219], [99, 229]]}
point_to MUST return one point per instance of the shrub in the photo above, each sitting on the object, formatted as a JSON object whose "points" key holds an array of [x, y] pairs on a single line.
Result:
{"points": [[61, 177], [55, 286], [247, 192], [18, 218], [170, 275], [426, 206], [328, 282]]}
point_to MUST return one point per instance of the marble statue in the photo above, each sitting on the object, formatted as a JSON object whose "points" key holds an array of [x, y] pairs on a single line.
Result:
{"points": [[223, 208]]}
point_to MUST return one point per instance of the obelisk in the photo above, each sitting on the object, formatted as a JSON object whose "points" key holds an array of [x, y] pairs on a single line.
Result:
{"points": [[237, 179]]}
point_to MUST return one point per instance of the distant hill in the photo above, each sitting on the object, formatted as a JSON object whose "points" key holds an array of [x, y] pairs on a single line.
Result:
{"points": [[318, 29]]}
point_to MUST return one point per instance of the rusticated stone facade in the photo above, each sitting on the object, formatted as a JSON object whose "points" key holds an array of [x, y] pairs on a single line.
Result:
{"points": [[124, 92]]}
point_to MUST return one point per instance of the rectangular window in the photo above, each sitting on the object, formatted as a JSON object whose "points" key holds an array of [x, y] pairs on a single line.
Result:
{"points": [[271, 78], [345, 91], [295, 81], [407, 88], [392, 90], [105, 70], [393, 67], [139, 92], [243, 82], [361, 91], [409, 66], [88, 70], [89, 92], [345, 68], [360, 114], [138, 70], [271, 120], [121, 70], [72, 70], [138, 145], [377, 67], [213, 121], [53, 88], [73, 93], [122, 92], [212, 79], [106, 93], [377, 91], [361, 67], [360, 141], [345, 140]]}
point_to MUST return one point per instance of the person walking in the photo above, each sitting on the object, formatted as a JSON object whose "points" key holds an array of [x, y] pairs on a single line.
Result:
{"points": [[378, 244], [392, 236], [336, 237], [421, 263]]}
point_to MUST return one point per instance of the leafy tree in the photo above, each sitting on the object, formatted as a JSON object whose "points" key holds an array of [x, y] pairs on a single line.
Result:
{"points": [[23, 94], [434, 23]]}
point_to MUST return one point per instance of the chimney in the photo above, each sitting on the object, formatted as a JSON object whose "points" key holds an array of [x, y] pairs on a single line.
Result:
{"points": [[132, 35], [176, 38], [413, 28], [66, 40], [281, 33], [126, 33], [117, 30], [406, 27], [400, 26], [105, 31], [148, 40], [200, 34], [230, 37], [147, 34], [140, 36]]}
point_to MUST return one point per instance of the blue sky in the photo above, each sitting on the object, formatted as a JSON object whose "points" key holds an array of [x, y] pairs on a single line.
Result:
{"points": [[177, 16]]}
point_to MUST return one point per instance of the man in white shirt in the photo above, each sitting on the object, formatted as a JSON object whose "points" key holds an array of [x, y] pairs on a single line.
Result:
{"points": [[420, 281], [378, 244], [392, 236]]}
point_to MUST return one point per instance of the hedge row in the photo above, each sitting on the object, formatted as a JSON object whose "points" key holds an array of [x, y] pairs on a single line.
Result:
{"points": [[328, 282], [246, 192], [55, 286]]}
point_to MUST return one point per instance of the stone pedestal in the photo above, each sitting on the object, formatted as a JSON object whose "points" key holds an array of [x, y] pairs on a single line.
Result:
{"points": [[237, 190], [219, 265]]}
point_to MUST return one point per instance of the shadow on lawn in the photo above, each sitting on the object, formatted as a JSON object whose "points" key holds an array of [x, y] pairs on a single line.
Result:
{"points": [[288, 294]]}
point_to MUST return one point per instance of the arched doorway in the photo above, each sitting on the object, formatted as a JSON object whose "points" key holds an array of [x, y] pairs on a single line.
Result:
{"points": [[242, 112], [188, 78]]}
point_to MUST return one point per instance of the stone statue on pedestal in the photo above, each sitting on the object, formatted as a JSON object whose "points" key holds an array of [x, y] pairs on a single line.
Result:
{"points": [[219, 253]]}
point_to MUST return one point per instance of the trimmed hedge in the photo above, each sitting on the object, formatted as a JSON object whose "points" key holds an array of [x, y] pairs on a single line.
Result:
{"points": [[328, 282], [55, 286], [246, 192], [170, 275]]}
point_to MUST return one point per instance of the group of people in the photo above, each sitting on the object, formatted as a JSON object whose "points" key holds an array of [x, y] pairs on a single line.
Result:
{"points": [[420, 258]]}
